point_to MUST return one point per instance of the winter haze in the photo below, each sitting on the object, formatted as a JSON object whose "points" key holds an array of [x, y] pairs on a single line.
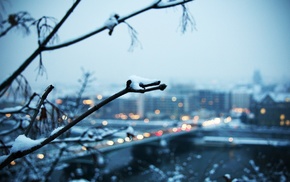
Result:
{"points": [[230, 40]]}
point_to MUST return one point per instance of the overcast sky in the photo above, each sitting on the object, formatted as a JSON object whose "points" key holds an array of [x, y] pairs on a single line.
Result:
{"points": [[232, 39]]}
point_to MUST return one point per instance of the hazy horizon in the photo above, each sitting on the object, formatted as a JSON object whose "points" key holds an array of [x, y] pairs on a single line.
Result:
{"points": [[232, 39]]}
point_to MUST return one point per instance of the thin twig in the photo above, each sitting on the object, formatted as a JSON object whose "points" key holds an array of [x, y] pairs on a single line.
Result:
{"points": [[43, 98]]}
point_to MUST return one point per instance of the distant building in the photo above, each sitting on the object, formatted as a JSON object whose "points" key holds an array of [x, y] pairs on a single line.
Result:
{"points": [[272, 109], [217, 101], [257, 78], [241, 97]]}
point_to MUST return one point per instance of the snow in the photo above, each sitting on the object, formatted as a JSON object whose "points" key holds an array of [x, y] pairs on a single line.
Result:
{"points": [[137, 80], [112, 21], [130, 130], [56, 130], [23, 143], [228, 176]]}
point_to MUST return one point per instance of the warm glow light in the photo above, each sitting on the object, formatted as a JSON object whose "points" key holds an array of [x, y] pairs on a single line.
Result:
{"points": [[121, 115], [127, 139], [287, 122], [159, 133], [12, 163], [120, 140], [173, 99], [110, 142], [139, 137], [105, 123], [88, 102], [99, 97], [183, 126], [40, 156], [217, 120], [282, 123], [174, 129], [228, 119], [157, 111], [185, 118], [134, 116], [263, 111], [146, 135], [58, 101], [146, 120], [212, 122], [84, 148], [180, 104], [8, 115], [231, 139], [282, 116]]}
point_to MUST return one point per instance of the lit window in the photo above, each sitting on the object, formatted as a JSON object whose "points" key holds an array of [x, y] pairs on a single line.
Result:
{"points": [[157, 111], [263, 111], [282, 117]]}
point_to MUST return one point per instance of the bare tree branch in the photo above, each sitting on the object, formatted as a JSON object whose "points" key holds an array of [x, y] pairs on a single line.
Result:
{"points": [[158, 4], [43, 98], [129, 88], [17, 72]]}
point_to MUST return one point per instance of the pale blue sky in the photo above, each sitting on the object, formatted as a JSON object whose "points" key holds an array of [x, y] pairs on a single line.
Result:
{"points": [[233, 38]]}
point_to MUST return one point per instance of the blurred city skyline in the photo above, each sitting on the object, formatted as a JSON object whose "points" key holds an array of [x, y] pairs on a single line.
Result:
{"points": [[230, 41]]}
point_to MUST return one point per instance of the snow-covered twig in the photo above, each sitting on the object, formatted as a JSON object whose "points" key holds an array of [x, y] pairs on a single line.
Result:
{"points": [[170, 3], [4, 85], [142, 85], [157, 4], [131, 86]]}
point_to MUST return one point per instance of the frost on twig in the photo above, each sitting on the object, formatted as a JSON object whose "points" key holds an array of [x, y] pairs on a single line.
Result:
{"points": [[134, 39], [186, 19], [20, 21], [112, 22]]}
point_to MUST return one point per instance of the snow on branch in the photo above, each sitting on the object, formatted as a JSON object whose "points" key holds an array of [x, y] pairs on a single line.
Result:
{"points": [[112, 22], [23, 143], [170, 3], [139, 84], [115, 19], [19, 148]]}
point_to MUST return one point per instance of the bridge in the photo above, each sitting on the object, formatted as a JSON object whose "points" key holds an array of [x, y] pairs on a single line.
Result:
{"points": [[158, 140], [210, 132]]}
